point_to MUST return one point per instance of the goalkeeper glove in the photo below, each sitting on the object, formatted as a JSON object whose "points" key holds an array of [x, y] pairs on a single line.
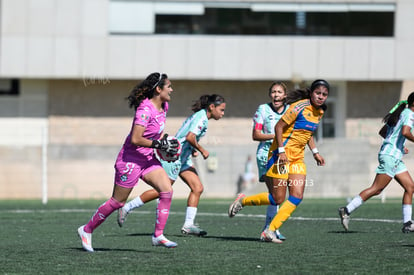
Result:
{"points": [[170, 146]]}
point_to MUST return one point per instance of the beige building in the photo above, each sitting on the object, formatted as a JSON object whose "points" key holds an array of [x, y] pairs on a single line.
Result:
{"points": [[67, 66]]}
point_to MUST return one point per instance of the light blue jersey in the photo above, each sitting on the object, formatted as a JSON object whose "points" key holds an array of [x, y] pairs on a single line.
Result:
{"points": [[392, 149], [197, 123], [394, 141], [265, 118]]}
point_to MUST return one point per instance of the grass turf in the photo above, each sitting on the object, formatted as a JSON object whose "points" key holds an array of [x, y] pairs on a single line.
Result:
{"points": [[42, 239]]}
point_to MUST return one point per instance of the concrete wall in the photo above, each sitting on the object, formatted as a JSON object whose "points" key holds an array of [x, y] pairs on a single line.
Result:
{"points": [[74, 77], [80, 167], [82, 126], [70, 39]]}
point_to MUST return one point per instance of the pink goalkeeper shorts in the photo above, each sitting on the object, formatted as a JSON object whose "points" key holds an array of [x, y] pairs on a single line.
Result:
{"points": [[127, 174]]}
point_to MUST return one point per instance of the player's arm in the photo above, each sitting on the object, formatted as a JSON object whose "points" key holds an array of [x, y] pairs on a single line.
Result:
{"points": [[138, 139], [137, 136], [258, 135], [279, 128], [406, 132], [192, 139], [312, 146]]}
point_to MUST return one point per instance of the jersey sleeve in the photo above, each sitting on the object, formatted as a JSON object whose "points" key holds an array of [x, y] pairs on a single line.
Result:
{"points": [[142, 116], [258, 117], [408, 120], [197, 124]]}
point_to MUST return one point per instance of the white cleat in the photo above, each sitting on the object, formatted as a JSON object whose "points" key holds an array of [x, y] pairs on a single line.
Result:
{"points": [[344, 217], [122, 216], [236, 206], [161, 240], [193, 230], [408, 227], [277, 233], [269, 236], [86, 239]]}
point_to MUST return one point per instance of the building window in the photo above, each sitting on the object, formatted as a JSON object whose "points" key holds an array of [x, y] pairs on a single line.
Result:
{"points": [[9, 87], [225, 21], [243, 18]]}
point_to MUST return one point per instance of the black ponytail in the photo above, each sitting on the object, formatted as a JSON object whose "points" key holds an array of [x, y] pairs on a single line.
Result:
{"points": [[393, 116], [205, 100]]}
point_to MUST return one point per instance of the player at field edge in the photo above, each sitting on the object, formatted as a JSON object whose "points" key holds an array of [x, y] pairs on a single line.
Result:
{"points": [[189, 135], [136, 159], [399, 123], [286, 168], [264, 121]]}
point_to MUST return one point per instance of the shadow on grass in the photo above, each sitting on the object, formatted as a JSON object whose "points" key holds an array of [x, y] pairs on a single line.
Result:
{"points": [[107, 249], [224, 238], [137, 234], [221, 238], [345, 232]]}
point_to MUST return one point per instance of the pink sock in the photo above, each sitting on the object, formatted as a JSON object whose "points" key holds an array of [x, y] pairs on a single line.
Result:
{"points": [[102, 213], [163, 210]]}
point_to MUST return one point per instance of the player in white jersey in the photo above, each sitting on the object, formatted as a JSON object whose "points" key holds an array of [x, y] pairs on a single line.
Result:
{"points": [[399, 123], [189, 134], [264, 121]]}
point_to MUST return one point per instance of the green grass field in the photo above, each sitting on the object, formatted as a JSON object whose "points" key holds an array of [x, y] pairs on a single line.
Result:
{"points": [[38, 239]]}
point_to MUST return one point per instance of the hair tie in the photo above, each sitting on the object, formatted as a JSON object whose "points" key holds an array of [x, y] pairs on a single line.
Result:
{"points": [[158, 82], [398, 105]]}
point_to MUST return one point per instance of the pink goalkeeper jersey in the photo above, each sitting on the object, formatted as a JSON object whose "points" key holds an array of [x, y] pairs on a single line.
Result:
{"points": [[153, 121]]}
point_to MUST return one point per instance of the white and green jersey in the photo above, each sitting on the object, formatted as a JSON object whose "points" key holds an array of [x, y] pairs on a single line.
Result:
{"points": [[394, 141], [197, 123], [266, 118]]}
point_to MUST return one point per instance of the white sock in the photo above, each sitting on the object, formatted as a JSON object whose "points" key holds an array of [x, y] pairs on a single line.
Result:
{"points": [[270, 213], [135, 203], [407, 210], [354, 204], [190, 215]]}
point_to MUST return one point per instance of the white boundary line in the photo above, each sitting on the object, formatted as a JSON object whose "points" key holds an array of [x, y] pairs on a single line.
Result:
{"points": [[199, 214]]}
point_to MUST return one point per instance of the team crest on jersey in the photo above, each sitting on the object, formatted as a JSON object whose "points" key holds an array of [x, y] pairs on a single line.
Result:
{"points": [[144, 117], [124, 177]]}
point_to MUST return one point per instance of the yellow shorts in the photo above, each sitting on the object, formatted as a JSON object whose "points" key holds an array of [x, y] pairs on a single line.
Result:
{"points": [[297, 167]]}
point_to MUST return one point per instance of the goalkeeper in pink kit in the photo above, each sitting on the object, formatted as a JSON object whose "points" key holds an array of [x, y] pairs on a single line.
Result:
{"points": [[191, 131], [136, 159]]}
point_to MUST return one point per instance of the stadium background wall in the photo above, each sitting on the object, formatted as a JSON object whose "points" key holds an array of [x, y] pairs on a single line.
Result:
{"points": [[84, 124]]}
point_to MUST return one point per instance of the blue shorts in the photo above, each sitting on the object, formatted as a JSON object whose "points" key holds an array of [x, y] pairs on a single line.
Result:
{"points": [[173, 169], [390, 165]]}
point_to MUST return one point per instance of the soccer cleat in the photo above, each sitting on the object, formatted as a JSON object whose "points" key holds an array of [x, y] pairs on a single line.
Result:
{"points": [[86, 239], [343, 214], [408, 227], [122, 216], [236, 206], [193, 230], [277, 233], [162, 241], [269, 236]]}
